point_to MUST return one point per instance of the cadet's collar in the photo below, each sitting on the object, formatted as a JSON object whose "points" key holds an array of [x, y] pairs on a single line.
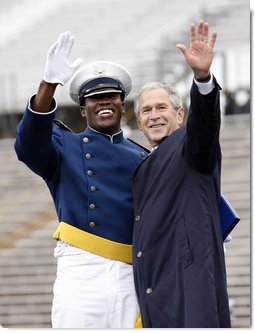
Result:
{"points": [[115, 138]]}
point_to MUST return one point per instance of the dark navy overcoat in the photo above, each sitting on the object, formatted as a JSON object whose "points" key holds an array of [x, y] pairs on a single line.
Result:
{"points": [[178, 256]]}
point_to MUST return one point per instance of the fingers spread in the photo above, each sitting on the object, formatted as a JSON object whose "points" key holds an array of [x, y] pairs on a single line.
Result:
{"points": [[206, 32], [182, 48], [200, 30], [213, 39], [192, 33]]}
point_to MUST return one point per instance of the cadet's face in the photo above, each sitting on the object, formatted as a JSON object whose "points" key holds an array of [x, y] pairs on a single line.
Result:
{"points": [[157, 117], [103, 112]]}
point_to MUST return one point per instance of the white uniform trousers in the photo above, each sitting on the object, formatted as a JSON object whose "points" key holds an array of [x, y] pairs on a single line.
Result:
{"points": [[91, 291]]}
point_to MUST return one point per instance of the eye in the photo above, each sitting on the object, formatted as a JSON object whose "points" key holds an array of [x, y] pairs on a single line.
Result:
{"points": [[145, 111], [114, 95]]}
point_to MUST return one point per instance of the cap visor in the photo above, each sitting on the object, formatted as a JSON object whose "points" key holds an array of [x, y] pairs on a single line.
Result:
{"points": [[100, 92]]}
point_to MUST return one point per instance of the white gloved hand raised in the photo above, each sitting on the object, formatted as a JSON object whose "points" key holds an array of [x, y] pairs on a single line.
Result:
{"points": [[58, 69]]}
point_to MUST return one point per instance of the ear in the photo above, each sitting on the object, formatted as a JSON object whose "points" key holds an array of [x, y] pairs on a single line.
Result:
{"points": [[83, 112], [123, 108], [180, 115]]}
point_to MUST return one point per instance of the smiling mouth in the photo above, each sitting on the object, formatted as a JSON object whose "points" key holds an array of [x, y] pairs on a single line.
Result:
{"points": [[105, 112], [157, 126]]}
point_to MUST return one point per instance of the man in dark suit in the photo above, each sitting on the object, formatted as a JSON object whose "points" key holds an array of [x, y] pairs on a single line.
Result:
{"points": [[178, 257]]}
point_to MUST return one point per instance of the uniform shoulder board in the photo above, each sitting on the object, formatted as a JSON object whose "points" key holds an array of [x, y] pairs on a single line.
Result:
{"points": [[60, 124], [141, 146]]}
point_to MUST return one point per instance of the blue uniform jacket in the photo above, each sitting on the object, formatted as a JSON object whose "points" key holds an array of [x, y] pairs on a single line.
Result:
{"points": [[89, 176], [178, 256]]}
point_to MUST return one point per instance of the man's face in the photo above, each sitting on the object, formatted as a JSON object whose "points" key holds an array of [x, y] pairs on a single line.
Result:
{"points": [[103, 112], [157, 117]]}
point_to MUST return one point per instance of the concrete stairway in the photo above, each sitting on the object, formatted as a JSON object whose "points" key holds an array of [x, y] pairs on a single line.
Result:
{"points": [[27, 266], [26, 280], [27, 221], [235, 138]]}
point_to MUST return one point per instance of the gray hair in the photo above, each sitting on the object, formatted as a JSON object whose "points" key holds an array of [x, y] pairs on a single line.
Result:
{"points": [[174, 97]]}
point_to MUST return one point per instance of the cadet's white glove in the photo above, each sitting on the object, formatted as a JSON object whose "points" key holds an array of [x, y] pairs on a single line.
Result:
{"points": [[58, 69]]}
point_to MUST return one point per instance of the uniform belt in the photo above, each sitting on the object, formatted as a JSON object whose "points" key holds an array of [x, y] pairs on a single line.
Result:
{"points": [[93, 243]]}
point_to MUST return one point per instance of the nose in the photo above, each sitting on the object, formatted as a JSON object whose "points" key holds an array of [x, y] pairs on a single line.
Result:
{"points": [[104, 102], [154, 114]]}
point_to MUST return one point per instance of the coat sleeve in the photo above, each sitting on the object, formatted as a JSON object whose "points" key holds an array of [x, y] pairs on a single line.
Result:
{"points": [[203, 129], [34, 143]]}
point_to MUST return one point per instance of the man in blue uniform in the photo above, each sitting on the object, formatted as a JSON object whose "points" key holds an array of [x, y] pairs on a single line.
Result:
{"points": [[89, 175], [178, 256]]}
